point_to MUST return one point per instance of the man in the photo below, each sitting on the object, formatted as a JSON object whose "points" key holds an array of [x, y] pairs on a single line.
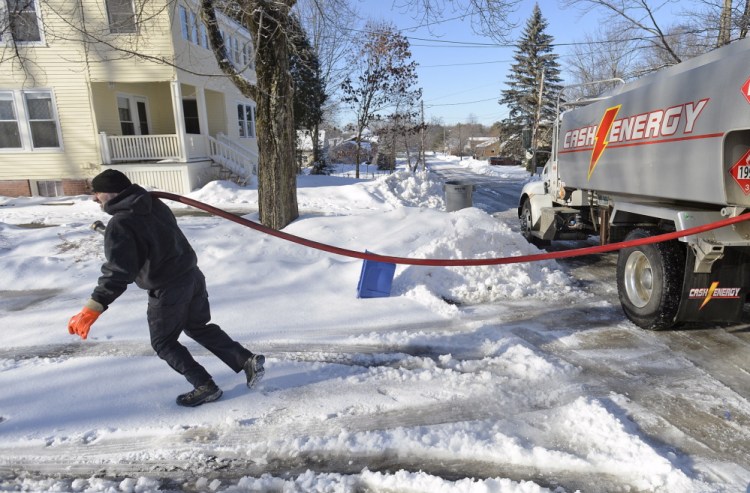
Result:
{"points": [[143, 244]]}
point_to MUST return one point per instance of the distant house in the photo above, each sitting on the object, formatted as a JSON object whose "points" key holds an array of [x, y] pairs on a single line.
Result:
{"points": [[345, 151], [488, 148], [473, 143], [143, 95], [305, 146]]}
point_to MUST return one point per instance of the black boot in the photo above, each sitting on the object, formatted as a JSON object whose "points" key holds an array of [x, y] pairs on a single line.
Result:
{"points": [[207, 392], [254, 370]]}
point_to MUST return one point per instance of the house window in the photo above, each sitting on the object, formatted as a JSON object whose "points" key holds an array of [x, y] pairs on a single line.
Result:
{"points": [[127, 124], [28, 120], [121, 16], [24, 21], [50, 188], [194, 28], [246, 120], [248, 60], [42, 121], [184, 23], [204, 36], [227, 46], [10, 136], [236, 50]]}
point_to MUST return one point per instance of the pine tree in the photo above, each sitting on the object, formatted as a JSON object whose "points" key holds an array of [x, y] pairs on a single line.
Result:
{"points": [[535, 68], [309, 95]]}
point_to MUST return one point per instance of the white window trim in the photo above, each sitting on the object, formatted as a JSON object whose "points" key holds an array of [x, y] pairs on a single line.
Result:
{"points": [[24, 124], [8, 36], [245, 105]]}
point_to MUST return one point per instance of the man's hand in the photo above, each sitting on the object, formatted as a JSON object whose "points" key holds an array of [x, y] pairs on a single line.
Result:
{"points": [[81, 323]]}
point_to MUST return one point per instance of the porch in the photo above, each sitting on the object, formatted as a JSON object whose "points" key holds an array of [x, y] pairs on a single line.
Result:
{"points": [[166, 163], [176, 154]]}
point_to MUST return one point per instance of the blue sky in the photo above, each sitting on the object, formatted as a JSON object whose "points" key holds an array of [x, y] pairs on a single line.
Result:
{"points": [[462, 73]]}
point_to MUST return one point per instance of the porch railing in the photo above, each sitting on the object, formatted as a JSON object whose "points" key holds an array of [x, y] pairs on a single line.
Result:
{"points": [[240, 161], [123, 148], [236, 159]]}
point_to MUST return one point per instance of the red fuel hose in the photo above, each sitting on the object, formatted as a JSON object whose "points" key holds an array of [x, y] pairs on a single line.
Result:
{"points": [[449, 262]]}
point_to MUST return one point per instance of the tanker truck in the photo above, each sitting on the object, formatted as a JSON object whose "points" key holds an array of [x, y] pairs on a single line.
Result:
{"points": [[665, 153]]}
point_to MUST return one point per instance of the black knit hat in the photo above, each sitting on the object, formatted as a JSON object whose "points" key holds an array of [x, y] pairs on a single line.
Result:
{"points": [[110, 181]]}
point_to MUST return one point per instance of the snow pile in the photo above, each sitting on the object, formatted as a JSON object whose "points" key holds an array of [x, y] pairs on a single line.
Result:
{"points": [[406, 189], [473, 234]]}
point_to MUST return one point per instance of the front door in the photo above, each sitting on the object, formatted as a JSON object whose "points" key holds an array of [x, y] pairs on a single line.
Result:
{"points": [[190, 110], [133, 112]]}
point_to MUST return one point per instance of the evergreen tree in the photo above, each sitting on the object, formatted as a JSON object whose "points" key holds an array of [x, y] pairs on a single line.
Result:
{"points": [[535, 69], [309, 95]]}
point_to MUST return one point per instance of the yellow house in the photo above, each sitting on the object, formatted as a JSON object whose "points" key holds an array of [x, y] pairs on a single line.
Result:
{"points": [[125, 84]]}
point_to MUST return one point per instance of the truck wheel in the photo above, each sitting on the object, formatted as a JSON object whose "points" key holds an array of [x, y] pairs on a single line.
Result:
{"points": [[649, 281], [526, 223]]}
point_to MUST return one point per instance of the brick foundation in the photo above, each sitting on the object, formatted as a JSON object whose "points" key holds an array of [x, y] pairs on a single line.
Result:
{"points": [[76, 187], [15, 188], [22, 188]]}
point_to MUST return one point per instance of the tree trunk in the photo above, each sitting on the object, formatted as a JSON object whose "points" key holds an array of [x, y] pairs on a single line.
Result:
{"points": [[277, 179], [358, 153], [316, 145], [725, 24]]}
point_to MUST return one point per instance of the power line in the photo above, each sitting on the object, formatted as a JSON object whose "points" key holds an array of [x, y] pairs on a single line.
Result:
{"points": [[464, 64], [465, 102]]}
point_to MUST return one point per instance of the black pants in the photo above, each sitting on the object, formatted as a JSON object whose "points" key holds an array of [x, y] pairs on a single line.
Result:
{"points": [[183, 307]]}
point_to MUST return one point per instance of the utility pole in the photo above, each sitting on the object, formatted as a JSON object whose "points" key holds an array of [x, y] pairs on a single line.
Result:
{"points": [[421, 149], [460, 148], [535, 128]]}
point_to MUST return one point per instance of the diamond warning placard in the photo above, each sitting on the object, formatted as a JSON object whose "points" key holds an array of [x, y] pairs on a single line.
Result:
{"points": [[740, 171]]}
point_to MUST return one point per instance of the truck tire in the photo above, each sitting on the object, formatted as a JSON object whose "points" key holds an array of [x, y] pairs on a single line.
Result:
{"points": [[526, 223], [649, 281]]}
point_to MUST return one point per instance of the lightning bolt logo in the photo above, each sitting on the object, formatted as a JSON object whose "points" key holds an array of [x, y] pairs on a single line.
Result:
{"points": [[601, 136], [710, 294]]}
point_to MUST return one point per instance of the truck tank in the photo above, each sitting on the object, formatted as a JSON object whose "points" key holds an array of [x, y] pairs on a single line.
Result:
{"points": [[679, 135]]}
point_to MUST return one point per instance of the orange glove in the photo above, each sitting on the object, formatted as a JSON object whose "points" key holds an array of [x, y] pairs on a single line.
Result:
{"points": [[81, 323]]}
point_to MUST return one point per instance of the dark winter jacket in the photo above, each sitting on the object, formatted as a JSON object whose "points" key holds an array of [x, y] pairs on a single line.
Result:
{"points": [[142, 244]]}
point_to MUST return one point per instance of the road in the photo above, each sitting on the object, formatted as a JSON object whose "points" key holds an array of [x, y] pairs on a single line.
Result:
{"points": [[660, 372]]}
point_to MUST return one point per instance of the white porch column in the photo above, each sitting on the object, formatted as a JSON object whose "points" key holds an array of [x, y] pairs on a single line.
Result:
{"points": [[200, 99], [179, 118]]}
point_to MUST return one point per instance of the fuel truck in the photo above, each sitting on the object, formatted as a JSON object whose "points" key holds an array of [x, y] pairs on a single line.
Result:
{"points": [[665, 153]]}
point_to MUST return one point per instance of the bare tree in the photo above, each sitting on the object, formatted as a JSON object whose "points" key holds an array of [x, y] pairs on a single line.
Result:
{"points": [[382, 75], [723, 20], [640, 16], [489, 17], [700, 27], [606, 55]]}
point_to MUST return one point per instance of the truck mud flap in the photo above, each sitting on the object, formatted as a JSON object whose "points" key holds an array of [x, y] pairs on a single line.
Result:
{"points": [[719, 295]]}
